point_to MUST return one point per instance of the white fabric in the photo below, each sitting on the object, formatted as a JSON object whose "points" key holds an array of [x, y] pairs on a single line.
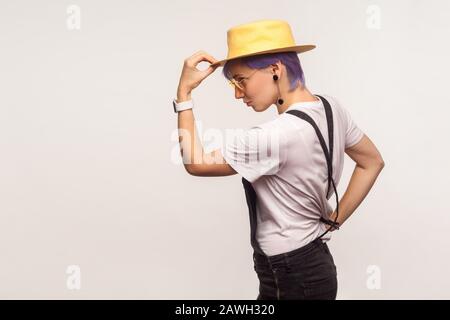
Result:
{"points": [[290, 174]]}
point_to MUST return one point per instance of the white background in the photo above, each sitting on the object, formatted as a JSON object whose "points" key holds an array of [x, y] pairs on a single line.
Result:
{"points": [[86, 170]]}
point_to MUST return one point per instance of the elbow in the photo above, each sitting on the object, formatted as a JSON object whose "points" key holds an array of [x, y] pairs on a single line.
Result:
{"points": [[374, 165], [379, 164], [190, 168]]}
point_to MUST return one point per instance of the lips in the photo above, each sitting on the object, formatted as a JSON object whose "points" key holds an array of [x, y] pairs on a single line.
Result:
{"points": [[248, 103]]}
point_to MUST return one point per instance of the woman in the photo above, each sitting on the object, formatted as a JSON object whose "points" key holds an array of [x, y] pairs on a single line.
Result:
{"points": [[288, 181]]}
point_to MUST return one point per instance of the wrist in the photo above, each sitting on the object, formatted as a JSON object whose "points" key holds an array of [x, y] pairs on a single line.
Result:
{"points": [[183, 95]]}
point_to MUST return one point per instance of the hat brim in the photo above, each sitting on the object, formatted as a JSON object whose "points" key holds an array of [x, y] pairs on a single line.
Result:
{"points": [[298, 49]]}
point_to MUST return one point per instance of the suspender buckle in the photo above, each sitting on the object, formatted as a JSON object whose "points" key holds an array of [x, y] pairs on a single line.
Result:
{"points": [[335, 225]]}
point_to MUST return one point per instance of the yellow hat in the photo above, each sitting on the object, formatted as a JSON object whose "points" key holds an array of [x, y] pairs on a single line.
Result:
{"points": [[258, 37]]}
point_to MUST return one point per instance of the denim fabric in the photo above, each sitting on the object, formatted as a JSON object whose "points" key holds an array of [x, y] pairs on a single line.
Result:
{"points": [[305, 273]]}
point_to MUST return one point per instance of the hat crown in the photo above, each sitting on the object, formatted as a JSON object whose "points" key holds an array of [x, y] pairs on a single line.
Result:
{"points": [[259, 36]]}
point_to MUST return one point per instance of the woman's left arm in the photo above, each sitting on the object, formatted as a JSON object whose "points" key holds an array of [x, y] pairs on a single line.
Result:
{"points": [[195, 161]]}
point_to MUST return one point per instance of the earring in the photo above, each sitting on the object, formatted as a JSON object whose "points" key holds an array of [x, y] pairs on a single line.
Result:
{"points": [[280, 101]]}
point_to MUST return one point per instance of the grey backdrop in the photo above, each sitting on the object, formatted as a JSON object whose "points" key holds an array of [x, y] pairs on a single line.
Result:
{"points": [[87, 170]]}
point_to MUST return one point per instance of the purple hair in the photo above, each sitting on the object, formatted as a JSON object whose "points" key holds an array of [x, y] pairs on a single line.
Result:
{"points": [[289, 59]]}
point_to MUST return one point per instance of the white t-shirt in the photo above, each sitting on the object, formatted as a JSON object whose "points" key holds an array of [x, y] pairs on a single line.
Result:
{"points": [[285, 163]]}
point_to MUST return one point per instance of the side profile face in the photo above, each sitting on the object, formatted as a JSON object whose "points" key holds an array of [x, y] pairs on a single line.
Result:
{"points": [[257, 85]]}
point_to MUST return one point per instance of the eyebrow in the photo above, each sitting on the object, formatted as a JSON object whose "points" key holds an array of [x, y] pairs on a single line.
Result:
{"points": [[237, 74]]}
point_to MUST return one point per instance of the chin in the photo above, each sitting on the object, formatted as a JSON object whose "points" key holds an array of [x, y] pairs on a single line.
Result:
{"points": [[263, 108]]}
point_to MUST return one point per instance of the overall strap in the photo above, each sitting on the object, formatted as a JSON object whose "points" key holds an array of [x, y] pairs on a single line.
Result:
{"points": [[251, 198], [329, 115], [328, 154]]}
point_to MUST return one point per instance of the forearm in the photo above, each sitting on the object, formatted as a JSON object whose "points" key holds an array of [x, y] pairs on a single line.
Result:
{"points": [[359, 186], [190, 145]]}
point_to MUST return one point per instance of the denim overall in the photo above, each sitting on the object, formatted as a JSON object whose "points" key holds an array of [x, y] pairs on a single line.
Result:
{"points": [[307, 272]]}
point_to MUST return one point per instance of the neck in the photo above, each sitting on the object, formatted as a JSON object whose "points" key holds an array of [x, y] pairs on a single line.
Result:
{"points": [[300, 94]]}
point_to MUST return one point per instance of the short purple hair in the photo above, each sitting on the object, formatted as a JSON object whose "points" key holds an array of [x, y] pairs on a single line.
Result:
{"points": [[289, 59]]}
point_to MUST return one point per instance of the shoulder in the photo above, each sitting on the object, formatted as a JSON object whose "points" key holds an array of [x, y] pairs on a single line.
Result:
{"points": [[334, 102], [340, 114]]}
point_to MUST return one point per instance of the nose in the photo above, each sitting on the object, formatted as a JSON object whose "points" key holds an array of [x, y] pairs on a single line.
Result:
{"points": [[238, 93]]}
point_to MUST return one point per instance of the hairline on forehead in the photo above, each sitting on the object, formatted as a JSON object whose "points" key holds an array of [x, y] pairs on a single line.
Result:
{"points": [[235, 62], [239, 62]]}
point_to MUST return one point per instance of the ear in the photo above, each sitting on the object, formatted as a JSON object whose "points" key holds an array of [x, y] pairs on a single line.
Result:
{"points": [[276, 67]]}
